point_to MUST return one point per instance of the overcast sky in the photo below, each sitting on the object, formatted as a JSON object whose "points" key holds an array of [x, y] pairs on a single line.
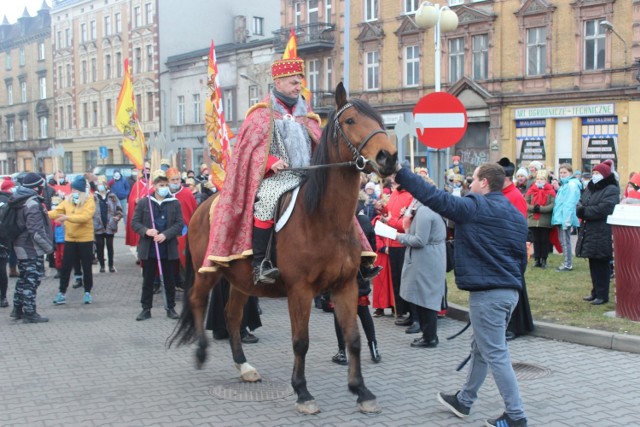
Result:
{"points": [[13, 8]]}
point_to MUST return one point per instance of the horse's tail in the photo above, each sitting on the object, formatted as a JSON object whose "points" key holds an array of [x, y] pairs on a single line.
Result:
{"points": [[185, 330]]}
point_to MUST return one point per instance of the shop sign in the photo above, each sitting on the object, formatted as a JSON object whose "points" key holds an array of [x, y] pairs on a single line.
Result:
{"points": [[565, 111]]}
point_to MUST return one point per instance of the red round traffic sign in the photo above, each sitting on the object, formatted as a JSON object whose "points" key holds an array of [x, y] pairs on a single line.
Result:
{"points": [[440, 119]]}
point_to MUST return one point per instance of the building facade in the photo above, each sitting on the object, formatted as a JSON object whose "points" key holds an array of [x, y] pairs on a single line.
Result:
{"points": [[26, 95], [540, 79], [91, 40]]}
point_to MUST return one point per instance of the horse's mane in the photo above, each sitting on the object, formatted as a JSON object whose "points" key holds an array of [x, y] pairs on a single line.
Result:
{"points": [[316, 184]]}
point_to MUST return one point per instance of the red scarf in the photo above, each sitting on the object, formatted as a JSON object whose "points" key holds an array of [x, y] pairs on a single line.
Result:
{"points": [[540, 196]]}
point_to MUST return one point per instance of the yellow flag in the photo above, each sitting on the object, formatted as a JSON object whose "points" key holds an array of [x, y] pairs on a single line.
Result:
{"points": [[218, 133], [127, 122], [291, 51]]}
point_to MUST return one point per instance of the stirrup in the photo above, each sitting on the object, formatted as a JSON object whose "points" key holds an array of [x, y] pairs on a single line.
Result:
{"points": [[369, 272], [265, 273]]}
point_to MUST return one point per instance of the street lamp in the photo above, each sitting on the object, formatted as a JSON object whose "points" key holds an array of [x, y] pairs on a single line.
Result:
{"points": [[608, 26], [441, 19]]}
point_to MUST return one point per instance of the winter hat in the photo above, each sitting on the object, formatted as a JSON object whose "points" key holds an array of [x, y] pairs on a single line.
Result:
{"points": [[536, 165], [603, 168], [32, 180], [79, 184], [523, 172], [509, 168], [370, 186], [455, 158], [7, 184]]}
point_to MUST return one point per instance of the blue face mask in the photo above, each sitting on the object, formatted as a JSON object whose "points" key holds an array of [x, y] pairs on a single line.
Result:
{"points": [[101, 188], [174, 187], [565, 180], [75, 197], [163, 191]]}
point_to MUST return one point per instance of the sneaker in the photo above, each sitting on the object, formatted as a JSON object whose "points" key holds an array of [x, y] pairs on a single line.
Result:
{"points": [[340, 358], [453, 404], [378, 313], [564, 268], [87, 298], [60, 299], [506, 421]]}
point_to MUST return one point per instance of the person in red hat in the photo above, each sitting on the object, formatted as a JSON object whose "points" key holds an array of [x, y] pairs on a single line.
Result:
{"points": [[594, 240]]}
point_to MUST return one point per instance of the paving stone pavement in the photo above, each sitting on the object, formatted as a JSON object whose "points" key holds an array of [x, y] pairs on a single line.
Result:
{"points": [[94, 365]]}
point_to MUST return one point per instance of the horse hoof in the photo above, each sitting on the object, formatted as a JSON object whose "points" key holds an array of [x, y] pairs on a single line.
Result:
{"points": [[201, 356], [248, 373], [308, 408], [369, 407]]}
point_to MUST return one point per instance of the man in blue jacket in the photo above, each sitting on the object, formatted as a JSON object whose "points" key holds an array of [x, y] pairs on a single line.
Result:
{"points": [[490, 259]]}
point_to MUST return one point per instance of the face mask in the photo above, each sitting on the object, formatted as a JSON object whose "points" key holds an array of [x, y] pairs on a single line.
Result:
{"points": [[564, 180], [75, 197], [540, 184], [457, 185], [163, 191], [164, 167], [101, 188], [116, 176], [174, 187], [596, 178]]}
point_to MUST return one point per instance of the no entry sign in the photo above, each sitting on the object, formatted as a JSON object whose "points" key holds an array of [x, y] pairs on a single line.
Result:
{"points": [[441, 120]]}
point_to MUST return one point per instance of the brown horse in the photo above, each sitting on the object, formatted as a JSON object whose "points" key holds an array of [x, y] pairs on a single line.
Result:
{"points": [[318, 251]]}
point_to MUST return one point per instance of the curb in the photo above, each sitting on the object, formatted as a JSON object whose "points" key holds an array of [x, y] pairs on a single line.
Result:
{"points": [[601, 339]]}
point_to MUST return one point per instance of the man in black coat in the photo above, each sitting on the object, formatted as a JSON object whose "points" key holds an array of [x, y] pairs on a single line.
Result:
{"points": [[158, 241]]}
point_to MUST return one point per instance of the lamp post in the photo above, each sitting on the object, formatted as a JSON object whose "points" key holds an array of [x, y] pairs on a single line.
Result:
{"points": [[608, 26], [442, 20]]}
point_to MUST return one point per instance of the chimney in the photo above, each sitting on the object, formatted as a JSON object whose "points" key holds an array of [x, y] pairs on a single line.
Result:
{"points": [[239, 29]]}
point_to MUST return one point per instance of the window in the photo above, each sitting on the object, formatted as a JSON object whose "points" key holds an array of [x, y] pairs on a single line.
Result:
{"points": [[536, 51], [21, 56], [61, 118], [456, 59], [44, 124], [94, 113], [84, 72], [7, 60], [59, 40], [594, 46], [370, 10], [90, 159], [69, 119], [108, 108], [180, 118], [411, 6], [297, 14], [148, 13], [258, 26], [411, 66], [23, 91], [228, 105], [149, 106], [107, 25], [11, 131], [69, 75], [43, 87], [94, 70], [60, 78], [313, 75], [328, 74], [455, 2], [41, 51], [118, 64], [9, 94], [138, 106], [85, 114], [480, 57], [137, 16], [24, 124], [67, 37], [372, 71], [312, 11], [93, 30], [68, 161], [196, 109], [149, 57], [138, 59], [107, 67], [327, 11], [118, 18], [254, 95], [83, 33]]}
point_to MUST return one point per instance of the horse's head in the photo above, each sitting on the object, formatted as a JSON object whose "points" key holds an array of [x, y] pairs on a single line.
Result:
{"points": [[360, 127]]}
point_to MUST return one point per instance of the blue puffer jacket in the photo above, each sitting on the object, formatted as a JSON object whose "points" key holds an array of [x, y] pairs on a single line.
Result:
{"points": [[120, 188], [564, 210], [490, 234]]}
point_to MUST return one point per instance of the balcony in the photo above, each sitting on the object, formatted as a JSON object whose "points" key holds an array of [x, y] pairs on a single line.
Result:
{"points": [[311, 38], [323, 102]]}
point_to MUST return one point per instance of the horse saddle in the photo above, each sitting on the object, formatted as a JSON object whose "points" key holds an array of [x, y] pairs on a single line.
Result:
{"points": [[284, 208]]}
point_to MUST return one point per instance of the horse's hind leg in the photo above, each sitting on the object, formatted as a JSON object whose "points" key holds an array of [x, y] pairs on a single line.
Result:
{"points": [[199, 298], [233, 313], [345, 308], [299, 312]]}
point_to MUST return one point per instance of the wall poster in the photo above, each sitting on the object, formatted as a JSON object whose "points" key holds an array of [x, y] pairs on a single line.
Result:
{"points": [[599, 141], [530, 141]]}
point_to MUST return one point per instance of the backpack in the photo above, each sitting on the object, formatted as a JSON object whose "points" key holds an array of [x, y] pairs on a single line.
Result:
{"points": [[9, 229]]}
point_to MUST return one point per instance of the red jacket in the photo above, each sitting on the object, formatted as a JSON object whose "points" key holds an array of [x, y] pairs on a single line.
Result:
{"points": [[516, 198], [397, 201]]}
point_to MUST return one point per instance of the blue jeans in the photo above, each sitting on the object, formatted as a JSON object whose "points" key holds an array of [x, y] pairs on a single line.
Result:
{"points": [[565, 242], [489, 313]]}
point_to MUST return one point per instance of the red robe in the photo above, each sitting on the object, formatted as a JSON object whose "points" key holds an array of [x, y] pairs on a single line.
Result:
{"points": [[382, 284], [138, 191], [188, 205]]}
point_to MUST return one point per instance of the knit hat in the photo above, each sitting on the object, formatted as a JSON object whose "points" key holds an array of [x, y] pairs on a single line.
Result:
{"points": [[32, 180], [7, 184], [523, 172], [536, 165], [79, 184], [603, 168], [509, 168], [370, 186], [455, 159]]}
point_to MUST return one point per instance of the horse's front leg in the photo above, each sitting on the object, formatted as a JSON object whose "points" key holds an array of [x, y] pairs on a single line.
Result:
{"points": [[345, 302], [233, 315], [299, 312], [198, 300]]}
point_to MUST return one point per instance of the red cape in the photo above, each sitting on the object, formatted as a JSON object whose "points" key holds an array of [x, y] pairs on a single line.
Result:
{"points": [[188, 205], [138, 191]]}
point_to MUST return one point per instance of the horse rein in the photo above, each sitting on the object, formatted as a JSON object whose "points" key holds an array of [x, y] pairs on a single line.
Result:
{"points": [[359, 161]]}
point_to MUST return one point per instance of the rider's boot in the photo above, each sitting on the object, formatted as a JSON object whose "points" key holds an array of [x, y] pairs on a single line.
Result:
{"points": [[369, 270], [263, 271]]}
